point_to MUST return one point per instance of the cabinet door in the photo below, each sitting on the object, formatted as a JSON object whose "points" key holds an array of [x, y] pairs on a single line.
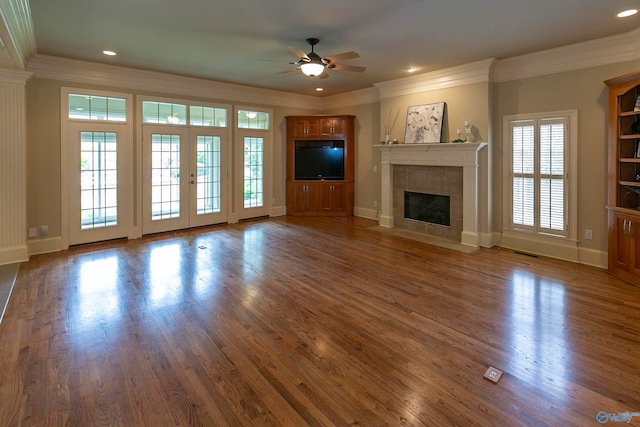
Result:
{"points": [[306, 128], [300, 195], [331, 197], [332, 127], [633, 231], [306, 196], [619, 242]]}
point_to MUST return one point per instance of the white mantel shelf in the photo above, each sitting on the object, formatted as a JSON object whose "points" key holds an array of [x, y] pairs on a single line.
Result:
{"points": [[464, 155]]}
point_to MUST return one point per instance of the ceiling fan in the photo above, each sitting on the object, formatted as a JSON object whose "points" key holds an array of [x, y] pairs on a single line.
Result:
{"points": [[313, 65]]}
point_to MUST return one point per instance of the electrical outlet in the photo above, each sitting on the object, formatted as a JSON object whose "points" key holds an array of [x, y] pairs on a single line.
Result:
{"points": [[33, 232], [375, 169], [44, 230], [375, 204], [588, 234]]}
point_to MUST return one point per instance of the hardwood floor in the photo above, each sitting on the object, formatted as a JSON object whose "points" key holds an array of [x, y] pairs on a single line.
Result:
{"points": [[313, 321]]}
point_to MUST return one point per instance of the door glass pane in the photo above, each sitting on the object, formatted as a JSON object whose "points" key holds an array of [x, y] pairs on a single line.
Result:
{"points": [[208, 174], [165, 176], [253, 172], [98, 180]]}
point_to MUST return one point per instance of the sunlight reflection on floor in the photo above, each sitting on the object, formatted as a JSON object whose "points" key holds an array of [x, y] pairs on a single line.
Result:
{"points": [[540, 350]]}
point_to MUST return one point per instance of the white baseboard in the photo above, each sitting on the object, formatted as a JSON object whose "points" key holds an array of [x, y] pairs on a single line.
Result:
{"points": [[278, 211], [14, 254], [43, 246], [488, 240], [566, 250], [365, 213], [593, 257]]}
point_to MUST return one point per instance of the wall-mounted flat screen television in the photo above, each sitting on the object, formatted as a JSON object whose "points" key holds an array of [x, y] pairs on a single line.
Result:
{"points": [[319, 160]]}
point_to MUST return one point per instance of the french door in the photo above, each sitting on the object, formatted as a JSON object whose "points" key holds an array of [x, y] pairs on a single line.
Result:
{"points": [[253, 174], [100, 196], [184, 178]]}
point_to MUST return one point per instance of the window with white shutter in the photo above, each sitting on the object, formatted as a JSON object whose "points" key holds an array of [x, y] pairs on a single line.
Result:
{"points": [[539, 173]]}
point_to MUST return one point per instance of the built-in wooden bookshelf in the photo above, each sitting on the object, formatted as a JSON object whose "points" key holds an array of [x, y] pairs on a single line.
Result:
{"points": [[623, 201]]}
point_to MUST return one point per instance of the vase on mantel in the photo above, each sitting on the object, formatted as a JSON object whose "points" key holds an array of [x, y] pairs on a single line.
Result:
{"points": [[386, 138]]}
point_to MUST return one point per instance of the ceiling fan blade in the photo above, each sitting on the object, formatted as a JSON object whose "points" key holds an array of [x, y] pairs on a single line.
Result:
{"points": [[342, 67], [290, 70], [298, 53], [343, 56], [324, 74]]}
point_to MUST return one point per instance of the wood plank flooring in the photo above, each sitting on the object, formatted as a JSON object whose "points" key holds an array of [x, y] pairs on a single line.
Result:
{"points": [[318, 322]]}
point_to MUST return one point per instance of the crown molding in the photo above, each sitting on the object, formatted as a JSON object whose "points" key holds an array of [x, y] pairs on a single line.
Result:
{"points": [[17, 38], [473, 72], [14, 77], [350, 99], [73, 70], [609, 50]]}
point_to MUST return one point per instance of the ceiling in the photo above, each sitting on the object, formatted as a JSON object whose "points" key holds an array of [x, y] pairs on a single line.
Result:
{"points": [[246, 42]]}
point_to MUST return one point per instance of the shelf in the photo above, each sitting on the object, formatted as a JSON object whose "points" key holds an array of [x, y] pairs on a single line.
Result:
{"points": [[629, 160], [629, 113], [630, 183], [636, 136]]}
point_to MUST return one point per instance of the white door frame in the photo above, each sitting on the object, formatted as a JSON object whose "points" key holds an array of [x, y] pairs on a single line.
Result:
{"points": [[69, 175], [240, 212]]}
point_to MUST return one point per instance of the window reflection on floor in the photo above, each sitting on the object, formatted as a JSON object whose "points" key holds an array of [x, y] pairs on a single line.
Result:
{"points": [[252, 254], [252, 263], [98, 290], [206, 277], [165, 274], [538, 332]]}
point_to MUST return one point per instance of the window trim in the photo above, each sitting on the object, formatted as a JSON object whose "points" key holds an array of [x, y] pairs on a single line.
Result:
{"points": [[571, 177]]}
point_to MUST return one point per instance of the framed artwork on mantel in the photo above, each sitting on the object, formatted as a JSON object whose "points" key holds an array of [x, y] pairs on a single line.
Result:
{"points": [[424, 123]]}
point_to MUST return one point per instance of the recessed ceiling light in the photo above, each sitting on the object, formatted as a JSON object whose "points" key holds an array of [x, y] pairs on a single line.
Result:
{"points": [[109, 52], [411, 69], [626, 13], [319, 89]]}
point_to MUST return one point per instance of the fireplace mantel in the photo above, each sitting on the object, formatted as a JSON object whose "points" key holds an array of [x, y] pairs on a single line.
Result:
{"points": [[464, 155]]}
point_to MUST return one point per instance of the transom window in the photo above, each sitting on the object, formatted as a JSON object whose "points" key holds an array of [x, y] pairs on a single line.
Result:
{"points": [[207, 116], [164, 113], [169, 113], [98, 108], [253, 119]]}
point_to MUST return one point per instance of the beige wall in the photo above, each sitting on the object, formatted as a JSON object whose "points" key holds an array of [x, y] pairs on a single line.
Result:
{"points": [[367, 187], [584, 91]]}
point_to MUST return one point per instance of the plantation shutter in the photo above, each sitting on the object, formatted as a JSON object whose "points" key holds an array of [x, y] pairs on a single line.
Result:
{"points": [[552, 207], [523, 173], [538, 175]]}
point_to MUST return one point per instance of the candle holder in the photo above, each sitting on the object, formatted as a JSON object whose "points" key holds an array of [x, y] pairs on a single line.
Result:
{"points": [[467, 125]]}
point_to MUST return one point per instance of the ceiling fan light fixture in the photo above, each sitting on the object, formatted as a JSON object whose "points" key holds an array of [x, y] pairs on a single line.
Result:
{"points": [[312, 69]]}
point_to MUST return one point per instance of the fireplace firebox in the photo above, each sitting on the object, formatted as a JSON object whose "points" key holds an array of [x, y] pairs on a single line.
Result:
{"points": [[430, 208]]}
